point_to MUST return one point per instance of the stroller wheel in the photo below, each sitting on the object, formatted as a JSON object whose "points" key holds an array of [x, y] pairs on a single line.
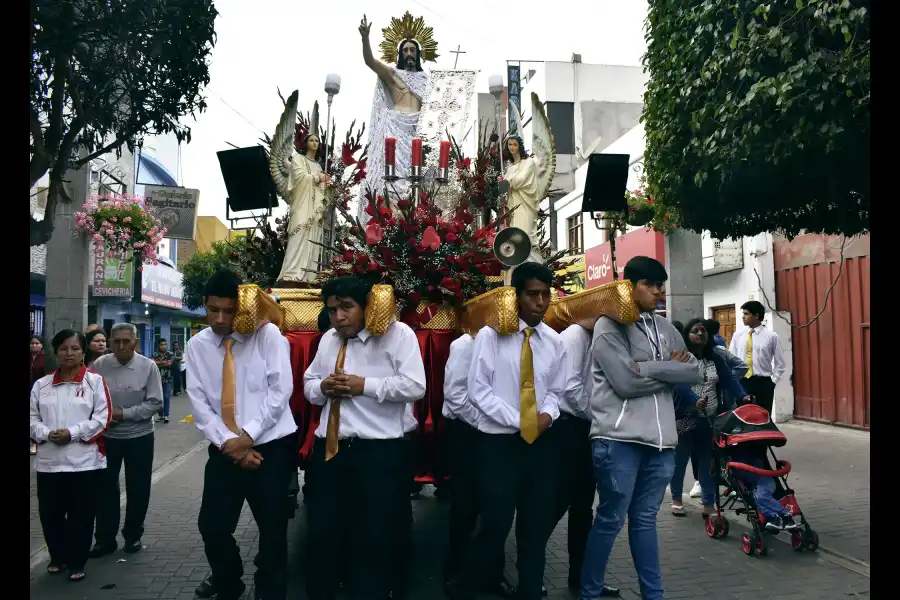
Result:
{"points": [[761, 547], [722, 522], [812, 540], [798, 540], [747, 544], [712, 528]]}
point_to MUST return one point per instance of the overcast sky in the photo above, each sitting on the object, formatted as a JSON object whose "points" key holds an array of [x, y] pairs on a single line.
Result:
{"points": [[263, 45]]}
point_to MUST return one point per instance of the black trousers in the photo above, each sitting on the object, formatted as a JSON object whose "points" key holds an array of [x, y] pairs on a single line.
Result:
{"points": [[463, 460], [225, 488], [763, 388], [67, 503], [515, 480], [137, 455], [360, 497], [176, 378], [575, 484]]}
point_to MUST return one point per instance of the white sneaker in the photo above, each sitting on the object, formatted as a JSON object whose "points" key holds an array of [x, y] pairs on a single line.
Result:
{"points": [[695, 491]]}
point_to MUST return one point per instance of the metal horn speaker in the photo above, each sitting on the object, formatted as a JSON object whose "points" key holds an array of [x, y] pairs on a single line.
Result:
{"points": [[512, 246]]}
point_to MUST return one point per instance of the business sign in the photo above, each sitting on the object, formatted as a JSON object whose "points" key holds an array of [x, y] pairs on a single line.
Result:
{"points": [[175, 207], [161, 285], [514, 96], [112, 274], [640, 242]]}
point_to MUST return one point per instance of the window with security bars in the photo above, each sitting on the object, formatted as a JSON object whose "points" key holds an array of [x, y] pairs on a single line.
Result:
{"points": [[575, 228]]}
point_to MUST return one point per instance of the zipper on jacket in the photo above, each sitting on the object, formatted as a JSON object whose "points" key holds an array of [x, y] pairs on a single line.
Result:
{"points": [[658, 425], [621, 414]]}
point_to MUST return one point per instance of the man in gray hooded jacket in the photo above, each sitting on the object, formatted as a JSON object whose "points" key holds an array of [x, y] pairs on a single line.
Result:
{"points": [[634, 369]]}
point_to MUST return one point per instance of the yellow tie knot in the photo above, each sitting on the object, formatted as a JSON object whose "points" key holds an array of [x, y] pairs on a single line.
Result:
{"points": [[529, 331], [229, 342]]}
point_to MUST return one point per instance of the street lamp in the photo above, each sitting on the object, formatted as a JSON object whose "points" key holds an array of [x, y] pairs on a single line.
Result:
{"points": [[332, 88]]}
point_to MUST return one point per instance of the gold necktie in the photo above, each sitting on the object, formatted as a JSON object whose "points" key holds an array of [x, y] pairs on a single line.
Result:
{"points": [[749, 354], [528, 416], [334, 413], [229, 386]]}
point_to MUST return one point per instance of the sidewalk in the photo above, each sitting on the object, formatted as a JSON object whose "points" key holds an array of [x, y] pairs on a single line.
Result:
{"points": [[173, 564], [830, 473]]}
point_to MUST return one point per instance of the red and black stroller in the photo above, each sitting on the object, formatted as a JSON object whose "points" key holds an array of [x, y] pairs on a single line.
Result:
{"points": [[749, 431]]}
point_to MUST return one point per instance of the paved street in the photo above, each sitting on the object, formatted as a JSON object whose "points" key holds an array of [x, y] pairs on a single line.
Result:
{"points": [[831, 492]]}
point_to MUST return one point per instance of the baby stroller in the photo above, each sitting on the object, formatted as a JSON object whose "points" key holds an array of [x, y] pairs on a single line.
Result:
{"points": [[749, 429]]}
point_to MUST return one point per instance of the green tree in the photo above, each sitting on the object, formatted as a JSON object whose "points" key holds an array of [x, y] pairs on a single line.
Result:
{"points": [[757, 115], [201, 266], [104, 74]]}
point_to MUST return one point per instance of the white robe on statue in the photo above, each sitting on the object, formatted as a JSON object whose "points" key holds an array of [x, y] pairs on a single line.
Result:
{"points": [[301, 258], [523, 192], [386, 122]]}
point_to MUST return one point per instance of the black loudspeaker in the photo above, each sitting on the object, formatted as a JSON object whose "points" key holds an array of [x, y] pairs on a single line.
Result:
{"points": [[604, 188], [512, 246], [247, 178]]}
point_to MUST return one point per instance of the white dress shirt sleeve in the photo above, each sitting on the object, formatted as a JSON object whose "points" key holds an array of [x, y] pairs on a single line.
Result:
{"points": [[778, 367], [456, 375], [556, 383], [408, 382], [733, 347], [206, 419], [87, 431], [39, 431], [574, 367], [481, 377], [279, 382], [317, 371]]}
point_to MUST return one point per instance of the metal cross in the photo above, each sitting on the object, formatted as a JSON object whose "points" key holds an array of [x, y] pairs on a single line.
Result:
{"points": [[457, 52]]}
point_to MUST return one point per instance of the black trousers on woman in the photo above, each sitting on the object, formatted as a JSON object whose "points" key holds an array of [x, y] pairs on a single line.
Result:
{"points": [[67, 504], [516, 480], [225, 487], [360, 497]]}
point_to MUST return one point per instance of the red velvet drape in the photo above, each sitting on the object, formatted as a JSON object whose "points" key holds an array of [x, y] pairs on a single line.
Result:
{"points": [[435, 347]]}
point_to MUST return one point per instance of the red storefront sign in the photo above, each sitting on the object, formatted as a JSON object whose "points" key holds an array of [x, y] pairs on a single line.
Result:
{"points": [[641, 242]]}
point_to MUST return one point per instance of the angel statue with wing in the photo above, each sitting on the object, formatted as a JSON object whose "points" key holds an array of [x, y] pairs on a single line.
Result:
{"points": [[299, 180], [529, 177]]}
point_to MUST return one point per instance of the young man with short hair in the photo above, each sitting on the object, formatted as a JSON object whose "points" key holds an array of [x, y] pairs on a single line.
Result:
{"points": [[634, 370], [761, 350], [240, 391], [360, 461], [515, 381], [163, 359], [713, 327]]}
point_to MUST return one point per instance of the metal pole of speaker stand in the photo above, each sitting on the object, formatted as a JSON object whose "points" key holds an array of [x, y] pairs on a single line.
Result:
{"points": [[332, 88], [612, 253]]}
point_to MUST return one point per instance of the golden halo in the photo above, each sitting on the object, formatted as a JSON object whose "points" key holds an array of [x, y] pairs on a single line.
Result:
{"points": [[407, 28]]}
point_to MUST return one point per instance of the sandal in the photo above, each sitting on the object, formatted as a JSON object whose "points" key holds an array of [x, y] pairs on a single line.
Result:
{"points": [[678, 511], [75, 576], [55, 568]]}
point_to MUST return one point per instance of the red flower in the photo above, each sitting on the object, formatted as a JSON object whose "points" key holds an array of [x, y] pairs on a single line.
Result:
{"points": [[451, 237], [467, 217], [384, 212], [403, 204], [414, 297], [359, 176], [374, 233], [373, 266], [347, 256], [430, 239], [347, 155], [354, 230]]}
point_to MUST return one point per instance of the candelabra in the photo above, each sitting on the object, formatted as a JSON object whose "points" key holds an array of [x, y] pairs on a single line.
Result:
{"points": [[416, 176]]}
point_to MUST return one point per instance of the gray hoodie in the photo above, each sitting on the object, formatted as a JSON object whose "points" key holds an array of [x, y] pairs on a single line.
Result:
{"points": [[632, 406]]}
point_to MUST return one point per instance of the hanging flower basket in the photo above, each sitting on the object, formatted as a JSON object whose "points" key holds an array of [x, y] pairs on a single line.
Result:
{"points": [[638, 217], [123, 225]]}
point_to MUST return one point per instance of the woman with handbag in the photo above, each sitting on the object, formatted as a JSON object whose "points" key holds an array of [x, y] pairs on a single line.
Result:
{"points": [[694, 406]]}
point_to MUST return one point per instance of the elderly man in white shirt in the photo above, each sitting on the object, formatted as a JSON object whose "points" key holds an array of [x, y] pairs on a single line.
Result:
{"points": [[240, 390], [761, 350], [516, 382], [361, 457]]}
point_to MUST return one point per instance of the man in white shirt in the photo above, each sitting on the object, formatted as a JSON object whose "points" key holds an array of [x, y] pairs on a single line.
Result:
{"points": [[761, 350], [361, 457], [462, 436], [516, 382], [571, 437], [240, 389]]}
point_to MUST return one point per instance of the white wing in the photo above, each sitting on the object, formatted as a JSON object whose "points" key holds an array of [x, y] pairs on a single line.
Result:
{"points": [[283, 146], [542, 146]]}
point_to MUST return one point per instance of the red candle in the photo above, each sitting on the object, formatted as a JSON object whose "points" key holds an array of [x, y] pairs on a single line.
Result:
{"points": [[390, 151], [417, 152], [444, 157]]}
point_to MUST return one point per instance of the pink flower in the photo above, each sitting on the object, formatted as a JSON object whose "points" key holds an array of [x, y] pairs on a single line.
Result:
{"points": [[126, 220]]}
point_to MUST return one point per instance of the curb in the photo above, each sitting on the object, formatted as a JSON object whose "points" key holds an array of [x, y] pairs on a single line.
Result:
{"points": [[41, 555], [833, 556]]}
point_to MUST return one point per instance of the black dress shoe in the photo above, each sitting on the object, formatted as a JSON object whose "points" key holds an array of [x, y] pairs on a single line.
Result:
{"points": [[610, 592], [208, 589], [502, 588], [132, 547], [99, 550]]}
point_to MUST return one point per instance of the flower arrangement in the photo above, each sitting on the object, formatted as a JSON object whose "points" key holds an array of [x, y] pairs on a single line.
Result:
{"points": [[479, 181], [124, 225], [424, 256], [643, 211]]}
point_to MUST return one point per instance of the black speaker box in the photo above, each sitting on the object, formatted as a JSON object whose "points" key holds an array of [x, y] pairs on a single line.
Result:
{"points": [[604, 188], [247, 178]]}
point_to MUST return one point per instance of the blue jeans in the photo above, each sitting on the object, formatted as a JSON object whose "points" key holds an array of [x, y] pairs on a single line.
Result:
{"points": [[763, 488], [696, 446], [631, 481], [167, 393]]}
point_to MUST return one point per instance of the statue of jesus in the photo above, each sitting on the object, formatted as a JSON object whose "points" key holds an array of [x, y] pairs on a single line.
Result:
{"points": [[395, 111]]}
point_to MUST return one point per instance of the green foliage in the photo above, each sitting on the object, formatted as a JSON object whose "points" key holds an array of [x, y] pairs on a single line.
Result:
{"points": [[104, 74], [201, 266], [757, 115]]}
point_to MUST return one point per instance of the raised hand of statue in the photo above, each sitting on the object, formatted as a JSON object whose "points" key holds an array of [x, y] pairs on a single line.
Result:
{"points": [[326, 179], [364, 28]]}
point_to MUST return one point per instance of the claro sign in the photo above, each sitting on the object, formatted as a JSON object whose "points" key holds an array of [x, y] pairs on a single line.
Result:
{"points": [[641, 242]]}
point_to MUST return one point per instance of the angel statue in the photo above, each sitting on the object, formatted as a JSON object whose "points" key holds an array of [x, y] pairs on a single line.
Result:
{"points": [[299, 180], [397, 105], [529, 177]]}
